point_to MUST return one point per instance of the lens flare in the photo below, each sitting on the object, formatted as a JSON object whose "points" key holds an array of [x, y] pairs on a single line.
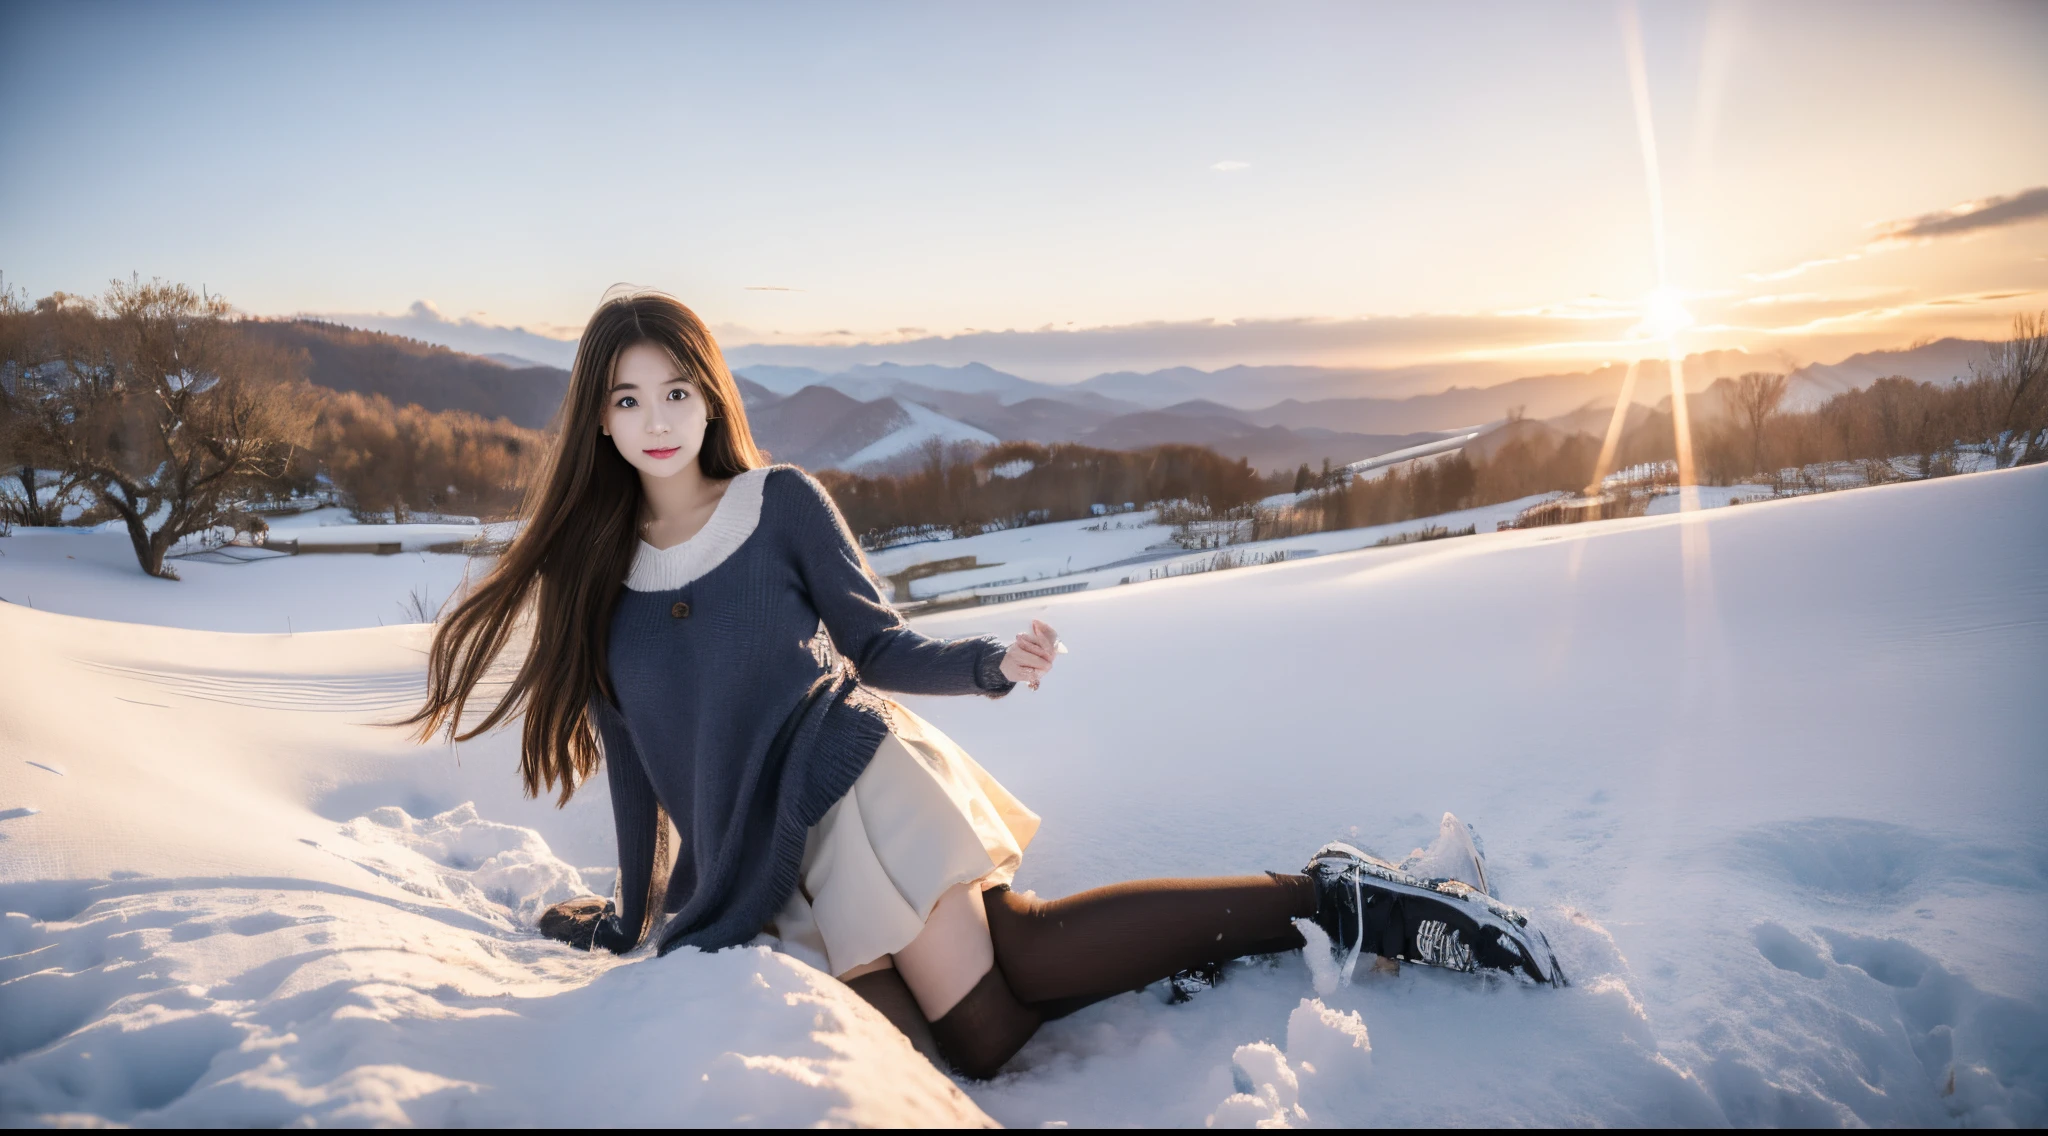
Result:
{"points": [[1615, 425], [1663, 315]]}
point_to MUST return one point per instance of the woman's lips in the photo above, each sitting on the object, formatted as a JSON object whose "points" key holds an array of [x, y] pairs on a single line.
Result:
{"points": [[659, 455]]}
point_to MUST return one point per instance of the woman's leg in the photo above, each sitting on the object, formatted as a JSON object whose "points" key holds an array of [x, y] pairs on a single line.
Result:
{"points": [[1061, 954], [951, 954], [989, 967], [882, 986], [951, 970]]}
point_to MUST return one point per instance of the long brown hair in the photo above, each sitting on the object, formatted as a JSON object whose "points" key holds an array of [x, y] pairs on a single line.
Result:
{"points": [[570, 557]]}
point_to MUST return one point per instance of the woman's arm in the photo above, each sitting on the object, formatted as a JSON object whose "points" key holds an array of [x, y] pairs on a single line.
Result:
{"points": [[866, 631]]}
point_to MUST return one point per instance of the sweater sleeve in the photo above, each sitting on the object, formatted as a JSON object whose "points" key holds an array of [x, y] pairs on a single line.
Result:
{"points": [[637, 820], [865, 630]]}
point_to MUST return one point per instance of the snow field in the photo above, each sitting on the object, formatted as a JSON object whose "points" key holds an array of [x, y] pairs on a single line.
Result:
{"points": [[1801, 731], [234, 898], [94, 574], [1768, 777], [1129, 548]]}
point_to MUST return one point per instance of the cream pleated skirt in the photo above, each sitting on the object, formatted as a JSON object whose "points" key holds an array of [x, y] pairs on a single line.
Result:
{"points": [[920, 819]]}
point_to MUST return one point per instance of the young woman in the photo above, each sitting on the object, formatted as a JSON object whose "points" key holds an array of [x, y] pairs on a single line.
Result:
{"points": [[677, 596]]}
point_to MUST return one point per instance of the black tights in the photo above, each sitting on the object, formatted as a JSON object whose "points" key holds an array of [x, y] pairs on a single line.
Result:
{"points": [[1055, 956]]}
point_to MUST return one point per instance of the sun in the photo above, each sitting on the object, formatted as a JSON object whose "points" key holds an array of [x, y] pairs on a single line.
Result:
{"points": [[1664, 315]]}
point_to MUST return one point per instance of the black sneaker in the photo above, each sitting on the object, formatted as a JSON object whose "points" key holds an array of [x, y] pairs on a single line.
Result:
{"points": [[1367, 905], [1185, 984]]}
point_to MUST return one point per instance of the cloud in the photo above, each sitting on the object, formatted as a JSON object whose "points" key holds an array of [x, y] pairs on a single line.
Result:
{"points": [[1059, 355], [1230, 166], [1957, 220], [1583, 308], [1469, 348], [1838, 299], [1971, 216], [1801, 268], [1939, 314], [421, 320]]}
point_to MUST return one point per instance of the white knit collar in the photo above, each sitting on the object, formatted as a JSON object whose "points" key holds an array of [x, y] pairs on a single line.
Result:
{"points": [[732, 521]]}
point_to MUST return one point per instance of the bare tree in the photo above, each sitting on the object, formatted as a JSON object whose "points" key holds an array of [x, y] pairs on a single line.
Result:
{"points": [[2013, 386], [17, 459], [39, 491], [1756, 397], [153, 401]]}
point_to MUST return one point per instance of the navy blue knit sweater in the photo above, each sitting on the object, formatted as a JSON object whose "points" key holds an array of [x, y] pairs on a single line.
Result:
{"points": [[730, 724]]}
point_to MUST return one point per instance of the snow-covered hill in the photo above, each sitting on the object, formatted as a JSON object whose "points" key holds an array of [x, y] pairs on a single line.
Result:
{"points": [[820, 427], [1769, 775], [919, 427]]}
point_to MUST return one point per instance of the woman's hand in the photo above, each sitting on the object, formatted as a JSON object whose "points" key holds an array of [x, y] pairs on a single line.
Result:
{"points": [[1030, 656]]}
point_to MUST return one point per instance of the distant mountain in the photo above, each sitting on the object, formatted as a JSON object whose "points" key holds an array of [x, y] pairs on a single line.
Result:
{"points": [[422, 321], [1538, 396], [920, 426], [974, 378], [409, 371], [821, 428], [1941, 361], [1595, 420], [783, 380], [753, 395], [803, 424], [1033, 419], [1230, 432], [1414, 398], [515, 362], [927, 383], [874, 415], [1249, 387], [883, 380], [1592, 394]]}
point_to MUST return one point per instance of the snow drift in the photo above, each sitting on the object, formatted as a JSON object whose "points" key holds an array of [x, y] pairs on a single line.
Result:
{"points": [[1770, 776]]}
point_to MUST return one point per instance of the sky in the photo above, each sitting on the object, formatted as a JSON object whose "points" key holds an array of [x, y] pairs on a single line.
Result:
{"points": [[1054, 189]]}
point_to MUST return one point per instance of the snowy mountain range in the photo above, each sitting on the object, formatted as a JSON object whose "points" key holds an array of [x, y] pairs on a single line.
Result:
{"points": [[876, 417], [1164, 407]]}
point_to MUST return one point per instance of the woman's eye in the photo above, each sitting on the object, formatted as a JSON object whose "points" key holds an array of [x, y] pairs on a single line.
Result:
{"points": [[678, 395], [626, 403]]}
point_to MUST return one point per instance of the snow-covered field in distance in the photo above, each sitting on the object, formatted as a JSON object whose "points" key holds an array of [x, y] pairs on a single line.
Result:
{"points": [[1100, 552], [93, 573], [1770, 777]]}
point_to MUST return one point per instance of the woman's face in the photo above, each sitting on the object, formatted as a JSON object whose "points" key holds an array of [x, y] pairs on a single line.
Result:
{"points": [[655, 416]]}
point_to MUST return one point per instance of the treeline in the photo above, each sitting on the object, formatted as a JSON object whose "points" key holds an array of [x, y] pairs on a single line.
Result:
{"points": [[1999, 410], [963, 490], [1895, 428], [409, 371], [156, 406], [393, 460], [1543, 462]]}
